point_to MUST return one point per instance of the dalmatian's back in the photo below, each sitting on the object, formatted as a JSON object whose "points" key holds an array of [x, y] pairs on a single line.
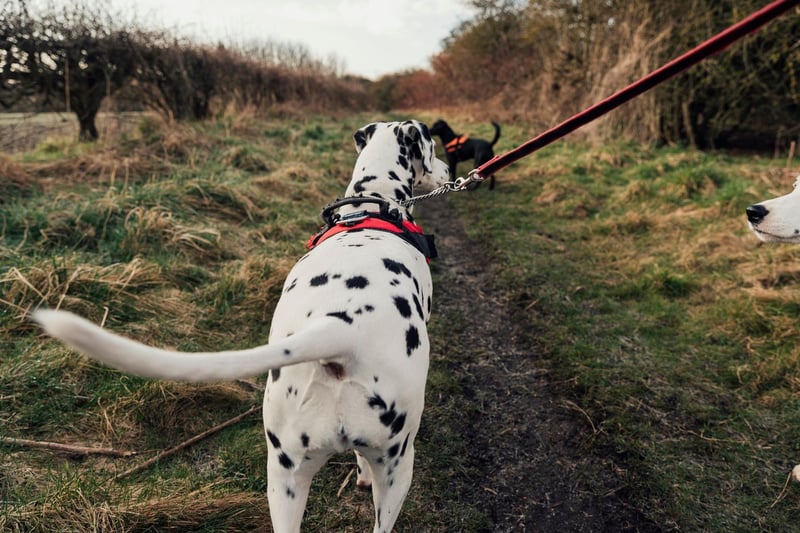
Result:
{"points": [[380, 289]]}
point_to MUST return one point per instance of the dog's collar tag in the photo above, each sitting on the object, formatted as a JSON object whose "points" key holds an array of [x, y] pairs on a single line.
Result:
{"points": [[352, 218]]}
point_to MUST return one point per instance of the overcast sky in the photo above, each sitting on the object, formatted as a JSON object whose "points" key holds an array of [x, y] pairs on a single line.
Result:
{"points": [[368, 37]]}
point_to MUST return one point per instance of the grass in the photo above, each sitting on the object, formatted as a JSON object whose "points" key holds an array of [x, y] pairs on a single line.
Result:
{"points": [[651, 306], [662, 318]]}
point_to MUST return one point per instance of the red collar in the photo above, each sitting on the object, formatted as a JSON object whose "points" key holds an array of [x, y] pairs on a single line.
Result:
{"points": [[410, 232]]}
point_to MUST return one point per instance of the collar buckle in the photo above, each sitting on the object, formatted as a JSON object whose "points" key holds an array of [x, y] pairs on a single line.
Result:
{"points": [[351, 218]]}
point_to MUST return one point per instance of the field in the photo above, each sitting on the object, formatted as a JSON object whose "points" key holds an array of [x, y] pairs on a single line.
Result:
{"points": [[24, 131], [612, 349]]}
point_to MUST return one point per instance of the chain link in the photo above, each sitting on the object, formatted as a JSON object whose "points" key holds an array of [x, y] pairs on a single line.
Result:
{"points": [[459, 184]]}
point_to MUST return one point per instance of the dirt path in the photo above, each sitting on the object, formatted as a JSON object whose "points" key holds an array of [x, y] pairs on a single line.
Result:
{"points": [[533, 451]]}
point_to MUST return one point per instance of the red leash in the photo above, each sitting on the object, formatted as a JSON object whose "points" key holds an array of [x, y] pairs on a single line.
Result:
{"points": [[712, 46]]}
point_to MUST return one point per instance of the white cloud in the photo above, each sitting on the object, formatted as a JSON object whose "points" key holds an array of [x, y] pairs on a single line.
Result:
{"points": [[371, 37]]}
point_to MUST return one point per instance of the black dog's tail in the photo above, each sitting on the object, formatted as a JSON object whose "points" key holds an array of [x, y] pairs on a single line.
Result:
{"points": [[496, 133]]}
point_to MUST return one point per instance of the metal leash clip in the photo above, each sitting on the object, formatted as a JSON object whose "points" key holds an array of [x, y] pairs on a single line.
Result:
{"points": [[462, 183]]}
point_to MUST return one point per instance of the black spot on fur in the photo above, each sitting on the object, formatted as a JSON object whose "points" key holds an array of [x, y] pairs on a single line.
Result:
{"points": [[402, 306], [357, 282], [273, 438], [359, 185], [398, 423], [393, 176], [287, 352], [396, 267], [275, 373], [405, 443], [387, 418], [317, 281], [285, 461], [290, 493], [342, 316], [377, 401], [412, 340], [418, 306], [304, 440], [393, 449], [369, 308], [292, 285]]}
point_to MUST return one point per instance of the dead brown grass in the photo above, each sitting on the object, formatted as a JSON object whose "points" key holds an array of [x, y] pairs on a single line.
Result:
{"points": [[209, 506], [71, 283], [223, 200], [152, 229], [176, 410], [15, 180]]}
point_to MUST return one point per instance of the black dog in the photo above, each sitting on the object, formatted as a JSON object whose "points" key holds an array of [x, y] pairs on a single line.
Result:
{"points": [[462, 147]]}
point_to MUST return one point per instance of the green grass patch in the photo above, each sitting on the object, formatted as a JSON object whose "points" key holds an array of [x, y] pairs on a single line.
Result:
{"points": [[661, 317], [651, 306]]}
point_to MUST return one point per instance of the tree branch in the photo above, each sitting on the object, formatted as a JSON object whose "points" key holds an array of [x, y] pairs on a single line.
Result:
{"points": [[69, 448], [187, 443]]}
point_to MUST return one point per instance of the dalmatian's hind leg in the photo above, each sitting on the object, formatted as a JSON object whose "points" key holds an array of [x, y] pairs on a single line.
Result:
{"points": [[390, 483], [288, 486]]}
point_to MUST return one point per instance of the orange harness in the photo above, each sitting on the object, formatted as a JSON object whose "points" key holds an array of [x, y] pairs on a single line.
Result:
{"points": [[456, 143]]}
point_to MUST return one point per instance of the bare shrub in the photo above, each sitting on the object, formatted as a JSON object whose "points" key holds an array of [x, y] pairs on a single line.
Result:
{"points": [[65, 58]]}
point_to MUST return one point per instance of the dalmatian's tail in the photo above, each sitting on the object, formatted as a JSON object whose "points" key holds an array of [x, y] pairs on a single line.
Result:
{"points": [[145, 361]]}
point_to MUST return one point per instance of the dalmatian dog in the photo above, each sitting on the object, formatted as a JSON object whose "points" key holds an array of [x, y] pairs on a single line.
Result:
{"points": [[348, 346], [778, 219]]}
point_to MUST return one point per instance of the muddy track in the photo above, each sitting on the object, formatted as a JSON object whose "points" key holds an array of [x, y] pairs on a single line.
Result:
{"points": [[537, 467]]}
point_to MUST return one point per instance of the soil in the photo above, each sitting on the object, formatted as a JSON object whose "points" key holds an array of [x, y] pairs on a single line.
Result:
{"points": [[537, 464]]}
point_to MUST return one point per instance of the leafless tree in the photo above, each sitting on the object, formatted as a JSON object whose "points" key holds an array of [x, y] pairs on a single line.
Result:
{"points": [[67, 58]]}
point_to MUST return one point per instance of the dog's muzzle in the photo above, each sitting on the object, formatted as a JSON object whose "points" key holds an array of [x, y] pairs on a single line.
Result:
{"points": [[756, 213]]}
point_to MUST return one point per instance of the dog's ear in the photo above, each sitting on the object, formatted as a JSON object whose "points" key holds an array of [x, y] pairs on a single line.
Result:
{"points": [[363, 135]]}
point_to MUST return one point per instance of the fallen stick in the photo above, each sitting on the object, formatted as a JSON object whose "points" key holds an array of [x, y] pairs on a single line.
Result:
{"points": [[79, 450], [344, 483], [187, 443]]}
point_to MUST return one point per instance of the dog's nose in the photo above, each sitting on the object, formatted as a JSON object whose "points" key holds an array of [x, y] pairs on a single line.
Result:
{"points": [[756, 213]]}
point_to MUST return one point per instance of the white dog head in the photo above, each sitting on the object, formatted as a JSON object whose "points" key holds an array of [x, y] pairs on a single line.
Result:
{"points": [[777, 220], [399, 148]]}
